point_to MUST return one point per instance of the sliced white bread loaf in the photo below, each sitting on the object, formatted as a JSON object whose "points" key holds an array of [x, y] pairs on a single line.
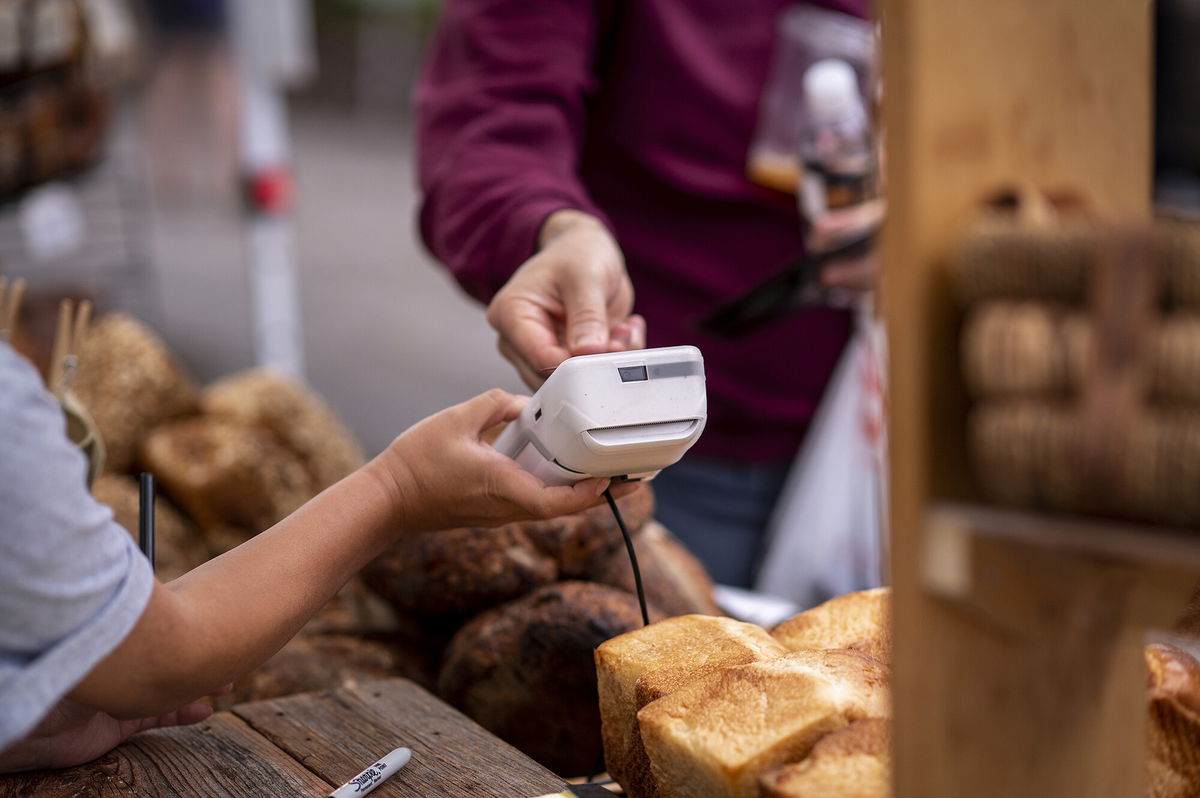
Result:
{"points": [[643, 665], [714, 738]]}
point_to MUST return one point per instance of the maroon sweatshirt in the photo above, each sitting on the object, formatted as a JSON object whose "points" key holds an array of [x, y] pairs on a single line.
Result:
{"points": [[640, 112]]}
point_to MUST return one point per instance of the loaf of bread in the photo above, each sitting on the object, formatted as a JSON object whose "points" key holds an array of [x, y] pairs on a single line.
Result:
{"points": [[860, 621], [583, 543], [457, 572], [294, 414], [129, 383], [1174, 730], [675, 582], [854, 762], [317, 662], [525, 671], [178, 546], [716, 736], [353, 610], [646, 664], [221, 472], [1033, 349]]}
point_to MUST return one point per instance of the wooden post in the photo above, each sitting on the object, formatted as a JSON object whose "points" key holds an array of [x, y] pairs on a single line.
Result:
{"points": [[1018, 667]]}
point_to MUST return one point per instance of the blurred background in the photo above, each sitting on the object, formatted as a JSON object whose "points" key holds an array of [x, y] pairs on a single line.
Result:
{"points": [[238, 175], [242, 181]]}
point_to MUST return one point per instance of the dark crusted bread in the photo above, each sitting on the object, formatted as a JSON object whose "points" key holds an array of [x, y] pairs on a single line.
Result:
{"points": [[859, 621], [582, 543], [854, 762], [648, 663], [317, 662], [676, 583], [1174, 731], [295, 415], [129, 383], [457, 572], [224, 473], [525, 671]]}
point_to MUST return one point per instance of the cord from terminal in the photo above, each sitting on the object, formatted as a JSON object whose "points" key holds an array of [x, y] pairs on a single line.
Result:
{"points": [[637, 572]]}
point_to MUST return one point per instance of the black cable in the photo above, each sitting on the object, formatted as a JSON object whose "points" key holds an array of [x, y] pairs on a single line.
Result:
{"points": [[146, 516], [637, 572]]}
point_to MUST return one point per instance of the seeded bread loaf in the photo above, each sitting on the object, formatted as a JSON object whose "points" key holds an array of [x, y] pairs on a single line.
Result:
{"points": [[129, 383], [294, 414], [646, 664], [224, 473]]}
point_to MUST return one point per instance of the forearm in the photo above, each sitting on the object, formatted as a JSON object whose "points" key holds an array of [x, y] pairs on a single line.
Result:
{"points": [[519, 72], [221, 620]]}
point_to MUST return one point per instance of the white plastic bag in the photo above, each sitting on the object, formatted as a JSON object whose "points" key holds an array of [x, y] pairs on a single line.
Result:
{"points": [[826, 536]]}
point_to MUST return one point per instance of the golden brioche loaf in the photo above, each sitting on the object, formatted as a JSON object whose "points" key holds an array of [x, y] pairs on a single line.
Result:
{"points": [[1174, 731], [649, 663], [294, 414], [716, 736], [854, 762], [860, 621]]}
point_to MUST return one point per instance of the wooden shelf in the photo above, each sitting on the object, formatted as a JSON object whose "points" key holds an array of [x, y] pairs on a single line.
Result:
{"points": [[1166, 547]]}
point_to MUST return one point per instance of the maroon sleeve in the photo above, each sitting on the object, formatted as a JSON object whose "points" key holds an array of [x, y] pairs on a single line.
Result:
{"points": [[500, 124]]}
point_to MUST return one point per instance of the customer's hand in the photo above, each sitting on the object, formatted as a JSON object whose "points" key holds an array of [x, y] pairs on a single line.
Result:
{"points": [[573, 297], [443, 475], [72, 734], [857, 275]]}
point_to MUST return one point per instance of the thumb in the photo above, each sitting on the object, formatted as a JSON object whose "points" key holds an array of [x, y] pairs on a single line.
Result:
{"points": [[491, 408], [586, 308]]}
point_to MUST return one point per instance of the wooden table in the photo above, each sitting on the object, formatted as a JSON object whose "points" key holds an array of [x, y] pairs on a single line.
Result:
{"points": [[306, 745]]}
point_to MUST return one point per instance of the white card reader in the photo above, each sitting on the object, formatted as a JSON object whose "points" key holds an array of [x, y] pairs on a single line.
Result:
{"points": [[620, 415]]}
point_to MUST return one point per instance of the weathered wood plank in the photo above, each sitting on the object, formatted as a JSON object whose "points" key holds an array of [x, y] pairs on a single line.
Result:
{"points": [[982, 95], [336, 734], [220, 757]]}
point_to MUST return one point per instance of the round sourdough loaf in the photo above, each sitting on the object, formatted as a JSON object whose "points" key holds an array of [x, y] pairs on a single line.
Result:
{"points": [[525, 671], [456, 572]]}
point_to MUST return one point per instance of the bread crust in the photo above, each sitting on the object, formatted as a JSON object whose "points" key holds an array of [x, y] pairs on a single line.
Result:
{"points": [[525, 671], [859, 621], [646, 664], [716, 736], [854, 762]]}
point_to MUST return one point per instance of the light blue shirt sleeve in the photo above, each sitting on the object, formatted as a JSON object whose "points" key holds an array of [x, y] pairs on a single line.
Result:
{"points": [[72, 582]]}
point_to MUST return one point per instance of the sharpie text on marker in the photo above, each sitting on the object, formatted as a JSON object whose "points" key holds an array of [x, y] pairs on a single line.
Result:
{"points": [[374, 775]]}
